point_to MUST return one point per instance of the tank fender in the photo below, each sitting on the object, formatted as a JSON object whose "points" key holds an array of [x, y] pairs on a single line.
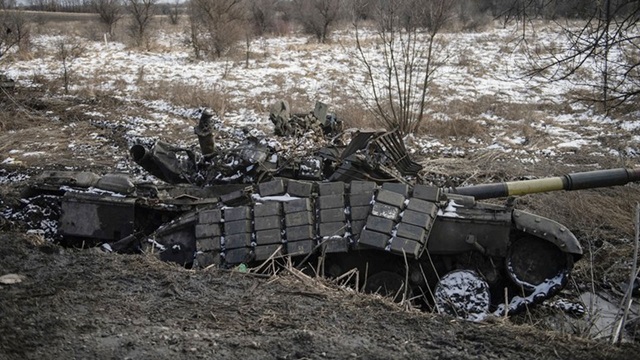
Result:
{"points": [[547, 229]]}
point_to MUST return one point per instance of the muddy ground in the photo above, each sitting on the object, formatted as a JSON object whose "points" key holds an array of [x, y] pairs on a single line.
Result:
{"points": [[88, 304], [75, 303]]}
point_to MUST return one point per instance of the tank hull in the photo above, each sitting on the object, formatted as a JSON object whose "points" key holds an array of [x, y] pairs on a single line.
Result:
{"points": [[397, 230]]}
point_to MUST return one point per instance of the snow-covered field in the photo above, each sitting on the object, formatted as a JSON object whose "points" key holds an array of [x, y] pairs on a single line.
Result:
{"points": [[481, 83]]}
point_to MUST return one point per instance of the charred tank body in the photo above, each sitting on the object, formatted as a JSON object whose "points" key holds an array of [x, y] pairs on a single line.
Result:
{"points": [[338, 209], [409, 241]]}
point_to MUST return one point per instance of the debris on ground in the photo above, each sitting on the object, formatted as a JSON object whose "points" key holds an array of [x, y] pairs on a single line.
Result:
{"points": [[319, 121]]}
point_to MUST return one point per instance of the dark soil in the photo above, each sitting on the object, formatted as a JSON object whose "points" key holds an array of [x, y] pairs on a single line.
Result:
{"points": [[88, 304]]}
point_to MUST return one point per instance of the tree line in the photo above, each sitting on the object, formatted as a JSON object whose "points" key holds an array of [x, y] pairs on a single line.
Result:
{"points": [[549, 9]]}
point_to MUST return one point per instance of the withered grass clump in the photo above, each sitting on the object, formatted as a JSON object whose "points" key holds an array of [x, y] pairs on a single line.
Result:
{"points": [[604, 214], [18, 110], [185, 95], [355, 116], [457, 127]]}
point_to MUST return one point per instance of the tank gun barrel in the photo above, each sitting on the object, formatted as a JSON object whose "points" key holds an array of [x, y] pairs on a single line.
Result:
{"points": [[575, 181]]}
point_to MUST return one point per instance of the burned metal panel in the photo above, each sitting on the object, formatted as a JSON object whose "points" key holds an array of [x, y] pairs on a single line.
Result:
{"points": [[386, 144], [319, 120], [176, 241], [358, 142], [451, 235], [393, 146], [96, 216]]}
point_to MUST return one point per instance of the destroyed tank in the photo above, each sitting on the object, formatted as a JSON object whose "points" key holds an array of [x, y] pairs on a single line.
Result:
{"points": [[340, 209], [441, 246]]}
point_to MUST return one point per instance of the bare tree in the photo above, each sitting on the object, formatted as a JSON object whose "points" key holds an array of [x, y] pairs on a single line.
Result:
{"points": [[318, 16], [172, 11], [406, 32], [42, 5], [7, 4], [7, 40], [66, 52], [73, 5], [473, 14], [142, 12], [109, 11], [608, 42], [14, 28], [216, 25], [263, 15]]}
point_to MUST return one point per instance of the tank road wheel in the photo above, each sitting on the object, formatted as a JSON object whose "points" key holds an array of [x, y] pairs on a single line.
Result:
{"points": [[533, 261], [387, 284], [463, 294]]}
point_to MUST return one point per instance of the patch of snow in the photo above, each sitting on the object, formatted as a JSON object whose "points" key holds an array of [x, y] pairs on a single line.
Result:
{"points": [[34, 153], [630, 125]]}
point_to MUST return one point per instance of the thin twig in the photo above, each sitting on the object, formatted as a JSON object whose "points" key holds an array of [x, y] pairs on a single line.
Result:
{"points": [[627, 296]]}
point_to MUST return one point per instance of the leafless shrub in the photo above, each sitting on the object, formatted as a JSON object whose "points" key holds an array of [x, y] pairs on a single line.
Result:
{"points": [[186, 95], [216, 25], [93, 33], [473, 15], [67, 51], [263, 16], [282, 27], [607, 42], [453, 128], [406, 33], [15, 31], [172, 11], [109, 11], [142, 12], [354, 116], [318, 16]]}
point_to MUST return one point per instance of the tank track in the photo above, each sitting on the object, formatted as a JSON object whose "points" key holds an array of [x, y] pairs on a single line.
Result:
{"points": [[299, 218], [545, 290]]}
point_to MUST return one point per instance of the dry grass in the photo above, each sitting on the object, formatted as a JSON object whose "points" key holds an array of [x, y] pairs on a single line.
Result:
{"points": [[355, 116], [605, 213], [308, 47], [507, 110], [14, 116], [74, 28], [456, 128], [185, 95], [602, 219]]}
